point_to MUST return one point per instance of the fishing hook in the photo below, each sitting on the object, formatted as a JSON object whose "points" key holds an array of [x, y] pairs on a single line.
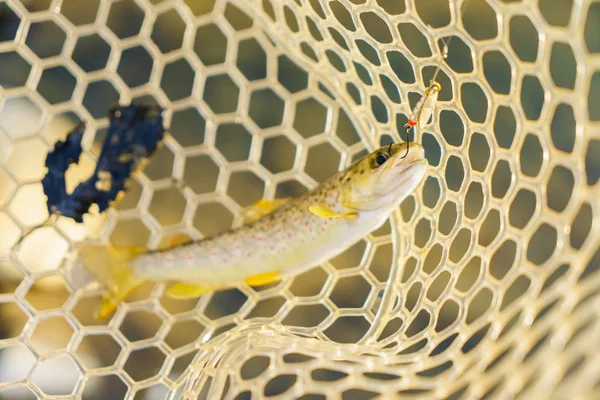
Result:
{"points": [[407, 129]]}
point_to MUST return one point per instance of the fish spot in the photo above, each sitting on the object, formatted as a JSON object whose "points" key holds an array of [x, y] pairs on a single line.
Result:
{"points": [[224, 260], [237, 246], [272, 248], [213, 253], [190, 257], [290, 235], [249, 254], [169, 260]]}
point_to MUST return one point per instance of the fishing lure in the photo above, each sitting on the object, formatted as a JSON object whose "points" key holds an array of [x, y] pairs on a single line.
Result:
{"points": [[422, 111], [424, 107], [280, 237]]}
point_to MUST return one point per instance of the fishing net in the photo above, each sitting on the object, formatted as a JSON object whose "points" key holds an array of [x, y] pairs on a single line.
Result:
{"points": [[483, 284]]}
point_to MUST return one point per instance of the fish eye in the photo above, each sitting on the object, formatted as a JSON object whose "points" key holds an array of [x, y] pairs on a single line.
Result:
{"points": [[380, 159]]}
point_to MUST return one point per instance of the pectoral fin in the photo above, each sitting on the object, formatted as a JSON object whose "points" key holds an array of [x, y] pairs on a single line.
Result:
{"points": [[263, 279], [325, 211], [261, 208], [186, 290]]}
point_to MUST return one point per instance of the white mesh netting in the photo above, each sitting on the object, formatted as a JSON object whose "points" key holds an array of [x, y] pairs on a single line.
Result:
{"points": [[483, 284]]}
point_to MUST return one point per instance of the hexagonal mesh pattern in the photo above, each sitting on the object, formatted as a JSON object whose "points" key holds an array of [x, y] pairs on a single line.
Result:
{"points": [[483, 284]]}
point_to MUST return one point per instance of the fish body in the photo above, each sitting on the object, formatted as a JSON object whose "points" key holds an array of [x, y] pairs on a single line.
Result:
{"points": [[287, 238]]}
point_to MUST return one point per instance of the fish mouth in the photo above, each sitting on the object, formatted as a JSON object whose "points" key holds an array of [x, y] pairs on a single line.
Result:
{"points": [[414, 166], [415, 154], [409, 168], [405, 167], [401, 182]]}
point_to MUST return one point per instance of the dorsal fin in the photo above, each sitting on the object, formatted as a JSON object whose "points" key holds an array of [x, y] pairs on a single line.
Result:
{"points": [[261, 208]]}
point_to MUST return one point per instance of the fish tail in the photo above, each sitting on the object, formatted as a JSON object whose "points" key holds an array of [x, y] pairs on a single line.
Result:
{"points": [[110, 265]]}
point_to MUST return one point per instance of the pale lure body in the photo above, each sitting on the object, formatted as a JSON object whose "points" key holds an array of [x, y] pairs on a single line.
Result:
{"points": [[285, 237]]}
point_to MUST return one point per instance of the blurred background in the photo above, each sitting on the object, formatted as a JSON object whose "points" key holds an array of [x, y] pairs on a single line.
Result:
{"points": [[249, 118]]}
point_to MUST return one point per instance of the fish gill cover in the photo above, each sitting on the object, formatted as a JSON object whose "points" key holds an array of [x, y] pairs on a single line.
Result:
{"points": [[134, 134]]}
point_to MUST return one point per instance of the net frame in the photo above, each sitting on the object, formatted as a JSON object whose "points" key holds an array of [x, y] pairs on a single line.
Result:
{"points": [[505, 361]]}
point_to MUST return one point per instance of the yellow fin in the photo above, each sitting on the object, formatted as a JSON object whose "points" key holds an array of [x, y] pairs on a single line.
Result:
{"points": [[261, 208], [263, 279], [187, 290], [325, 211], [110, 265]]}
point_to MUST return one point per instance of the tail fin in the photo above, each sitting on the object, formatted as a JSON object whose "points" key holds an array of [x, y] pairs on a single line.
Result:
{"points": [[110, 265]]}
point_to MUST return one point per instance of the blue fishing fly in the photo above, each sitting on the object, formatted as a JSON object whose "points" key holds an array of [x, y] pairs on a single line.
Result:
{"points": [[134, 134]]}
